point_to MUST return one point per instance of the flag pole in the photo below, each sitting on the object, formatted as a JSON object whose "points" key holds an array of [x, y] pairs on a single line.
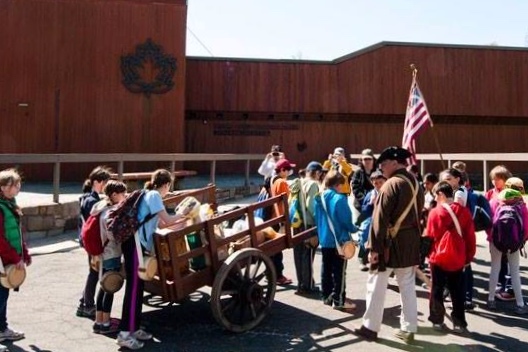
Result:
{"points": [[435, 136]]}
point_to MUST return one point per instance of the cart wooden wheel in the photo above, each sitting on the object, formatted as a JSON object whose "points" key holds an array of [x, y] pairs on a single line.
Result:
{"points": [[243, 290]]}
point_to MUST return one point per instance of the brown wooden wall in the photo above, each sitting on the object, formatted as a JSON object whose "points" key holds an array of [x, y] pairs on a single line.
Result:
{"points": [[61, 90], [476, 96], [61, 60], [456, 81]]}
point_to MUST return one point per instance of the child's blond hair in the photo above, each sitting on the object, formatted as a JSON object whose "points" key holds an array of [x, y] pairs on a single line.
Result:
{"points": [[500, 172]]}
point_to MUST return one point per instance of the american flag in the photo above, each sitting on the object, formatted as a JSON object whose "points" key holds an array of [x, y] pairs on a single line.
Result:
{"points": [[417, 119]]}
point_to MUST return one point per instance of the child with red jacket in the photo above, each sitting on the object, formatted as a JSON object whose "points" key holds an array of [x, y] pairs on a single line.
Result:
{"points": [[438, 223], [13, 250]]}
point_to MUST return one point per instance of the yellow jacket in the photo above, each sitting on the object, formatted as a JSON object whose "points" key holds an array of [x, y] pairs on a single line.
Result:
{"points": [[345, 169]]}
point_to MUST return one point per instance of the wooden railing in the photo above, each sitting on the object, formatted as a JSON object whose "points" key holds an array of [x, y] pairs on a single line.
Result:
{"points": [[485, 158], [120, 159]]}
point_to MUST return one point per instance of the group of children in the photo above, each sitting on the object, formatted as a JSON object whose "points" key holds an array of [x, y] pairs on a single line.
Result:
{"points": [[450, 206], [152, 214]]}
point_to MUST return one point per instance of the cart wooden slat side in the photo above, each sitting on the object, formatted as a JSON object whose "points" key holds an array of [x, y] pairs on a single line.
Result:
{"points": [[176, 280]]}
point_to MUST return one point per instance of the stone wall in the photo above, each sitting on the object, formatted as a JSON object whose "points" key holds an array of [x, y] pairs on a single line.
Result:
{"points": [[49, 220]]}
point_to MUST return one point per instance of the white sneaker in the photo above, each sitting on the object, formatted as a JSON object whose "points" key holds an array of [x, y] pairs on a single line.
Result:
{"points": [[142, 335], [129, 342], [3, 348], [11, 335]]}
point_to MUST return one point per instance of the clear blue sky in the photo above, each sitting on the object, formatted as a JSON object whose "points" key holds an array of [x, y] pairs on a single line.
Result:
{"points": [[328, 29]]}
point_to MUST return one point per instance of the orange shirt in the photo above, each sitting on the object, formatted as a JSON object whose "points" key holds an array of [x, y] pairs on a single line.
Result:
{"points": [[278, 187]]}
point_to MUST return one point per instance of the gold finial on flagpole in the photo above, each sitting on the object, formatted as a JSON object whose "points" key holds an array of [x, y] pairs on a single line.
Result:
{"points": [[414, 70]]}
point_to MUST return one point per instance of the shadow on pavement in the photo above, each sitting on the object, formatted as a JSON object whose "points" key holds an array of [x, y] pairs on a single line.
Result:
{"points": [[191, 326]]}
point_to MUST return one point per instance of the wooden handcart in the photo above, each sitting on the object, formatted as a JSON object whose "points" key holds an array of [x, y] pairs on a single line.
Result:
{"points": [[238, 267]]}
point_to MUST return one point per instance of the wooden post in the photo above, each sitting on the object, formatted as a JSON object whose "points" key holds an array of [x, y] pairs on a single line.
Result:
{"points": [[246, 181], [56, 182], [485, 175], [120, 169], [212, 176]]}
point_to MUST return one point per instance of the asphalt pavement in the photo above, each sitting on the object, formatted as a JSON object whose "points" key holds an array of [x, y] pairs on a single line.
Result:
{"points": [[45, 306]]}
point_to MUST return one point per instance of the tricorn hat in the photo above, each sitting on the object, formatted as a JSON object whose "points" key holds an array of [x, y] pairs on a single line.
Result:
{"points": [[394, 153]]}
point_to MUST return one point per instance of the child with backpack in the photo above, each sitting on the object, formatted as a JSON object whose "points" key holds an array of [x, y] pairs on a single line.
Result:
{"points": [[450, 226], [304, 253], [151, 214], [479, 207], [110, 254], [507, 236], [91, 189], [498, 176], [13, 249]]}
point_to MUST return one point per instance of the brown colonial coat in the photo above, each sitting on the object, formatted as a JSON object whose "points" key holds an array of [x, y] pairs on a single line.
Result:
{"points": [[404, 250]]}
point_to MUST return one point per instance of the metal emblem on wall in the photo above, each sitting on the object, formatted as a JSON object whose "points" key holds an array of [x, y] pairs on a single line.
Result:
{"points": [[135, 69]]}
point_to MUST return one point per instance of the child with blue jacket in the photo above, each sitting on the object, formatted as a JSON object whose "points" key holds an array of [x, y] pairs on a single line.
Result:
{"points": [[367, 208], [336, 210]]}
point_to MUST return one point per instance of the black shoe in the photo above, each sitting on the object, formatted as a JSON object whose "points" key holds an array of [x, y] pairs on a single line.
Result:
{"points": [[468, 305], [86, 312], [365, 333], [301, 291], [108, 329]]}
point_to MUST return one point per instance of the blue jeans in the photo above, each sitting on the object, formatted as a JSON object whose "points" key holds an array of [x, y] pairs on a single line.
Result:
{"points": [[4, 295]]}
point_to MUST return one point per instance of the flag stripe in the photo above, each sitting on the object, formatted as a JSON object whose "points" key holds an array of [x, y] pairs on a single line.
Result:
{"points": [[417, 119]]}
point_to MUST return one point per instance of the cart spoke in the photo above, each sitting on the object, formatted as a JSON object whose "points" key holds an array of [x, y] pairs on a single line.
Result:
{"points": [[238, 269], [242, 313], [234, 279], [247, 268], [260, 277], [257, 267], [230, 304], [243, 290], [253, 310], [231, 292]]}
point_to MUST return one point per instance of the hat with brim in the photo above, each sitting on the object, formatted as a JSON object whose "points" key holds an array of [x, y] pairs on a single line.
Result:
{"points": [[367, 154], [515, 183], [394, 153], [339, 151], [314, 166], [284, 164]]}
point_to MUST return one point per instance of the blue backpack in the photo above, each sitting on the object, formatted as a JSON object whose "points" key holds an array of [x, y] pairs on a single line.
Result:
{"points": [[480, 210], [508, 230]]}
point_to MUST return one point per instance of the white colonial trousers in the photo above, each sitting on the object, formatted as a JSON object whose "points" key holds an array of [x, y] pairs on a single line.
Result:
{"points": [[376, 290]]}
